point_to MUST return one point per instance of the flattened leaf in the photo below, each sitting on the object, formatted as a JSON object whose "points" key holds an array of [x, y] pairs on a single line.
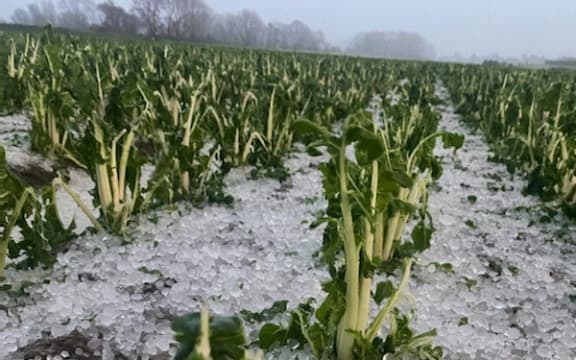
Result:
{"points": [[452, 140], [279, 307]]}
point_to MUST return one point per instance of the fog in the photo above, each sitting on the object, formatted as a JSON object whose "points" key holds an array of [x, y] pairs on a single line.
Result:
{"points": [[509, 28]]}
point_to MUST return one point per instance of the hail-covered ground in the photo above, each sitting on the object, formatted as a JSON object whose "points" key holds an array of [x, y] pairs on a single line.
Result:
{"points": [[499, 281], [510, 292]]}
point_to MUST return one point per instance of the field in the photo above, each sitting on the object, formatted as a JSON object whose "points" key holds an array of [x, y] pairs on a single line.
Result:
{"points": [[167, 201]]}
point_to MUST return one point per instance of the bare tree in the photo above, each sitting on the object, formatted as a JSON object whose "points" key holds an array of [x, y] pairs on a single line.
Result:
{"points": [[116, 19], [21, 16], [77, 14], [247, 28], [274, 38], [299, 36], [111, 16], [40, 14], [150, 14], [295, 36], [173, 11], [217, 29], [178, 19], [187, 19]]}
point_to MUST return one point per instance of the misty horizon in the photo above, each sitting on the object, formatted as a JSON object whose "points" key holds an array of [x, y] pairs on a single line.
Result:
{"points": [[484, 29]]}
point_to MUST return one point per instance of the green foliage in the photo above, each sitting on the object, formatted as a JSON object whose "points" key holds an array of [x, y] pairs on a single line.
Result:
{"points": [[193, 114], [401, 341], [35, 213], [301, 330], [43, 235], [199, 111], [528, 118], [279, 307], [371, 195], [227, 339], [384, 290]]}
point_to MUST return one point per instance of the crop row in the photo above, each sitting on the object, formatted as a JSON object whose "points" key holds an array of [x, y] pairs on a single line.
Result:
{"points": [[194, 113], [529, 119]]}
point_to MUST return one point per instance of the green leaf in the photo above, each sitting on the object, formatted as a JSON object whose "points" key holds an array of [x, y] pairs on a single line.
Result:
{"points": [[318, 339], [369, 146], [421, 236], [307, 127], [384, 290], [227, 339], [279, 307], [444, 267], [321, 135], [148, 271], [470, 223], [452, 140], [271, 334], [403, 207], [313, 151], [513, 270], [331, 310], [470, 283], [400, 177]]}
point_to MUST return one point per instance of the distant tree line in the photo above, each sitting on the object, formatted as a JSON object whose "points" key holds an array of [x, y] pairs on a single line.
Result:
{"points": [[194, 20], [562, 63], [397, 45], [191, 20]]}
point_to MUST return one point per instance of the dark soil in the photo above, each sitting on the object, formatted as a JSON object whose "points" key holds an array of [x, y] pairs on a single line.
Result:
{"points": [[34, 176], [73, 346]]}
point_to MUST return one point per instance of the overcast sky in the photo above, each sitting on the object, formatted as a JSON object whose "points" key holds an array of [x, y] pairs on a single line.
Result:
{"points": [[484, 27]]}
